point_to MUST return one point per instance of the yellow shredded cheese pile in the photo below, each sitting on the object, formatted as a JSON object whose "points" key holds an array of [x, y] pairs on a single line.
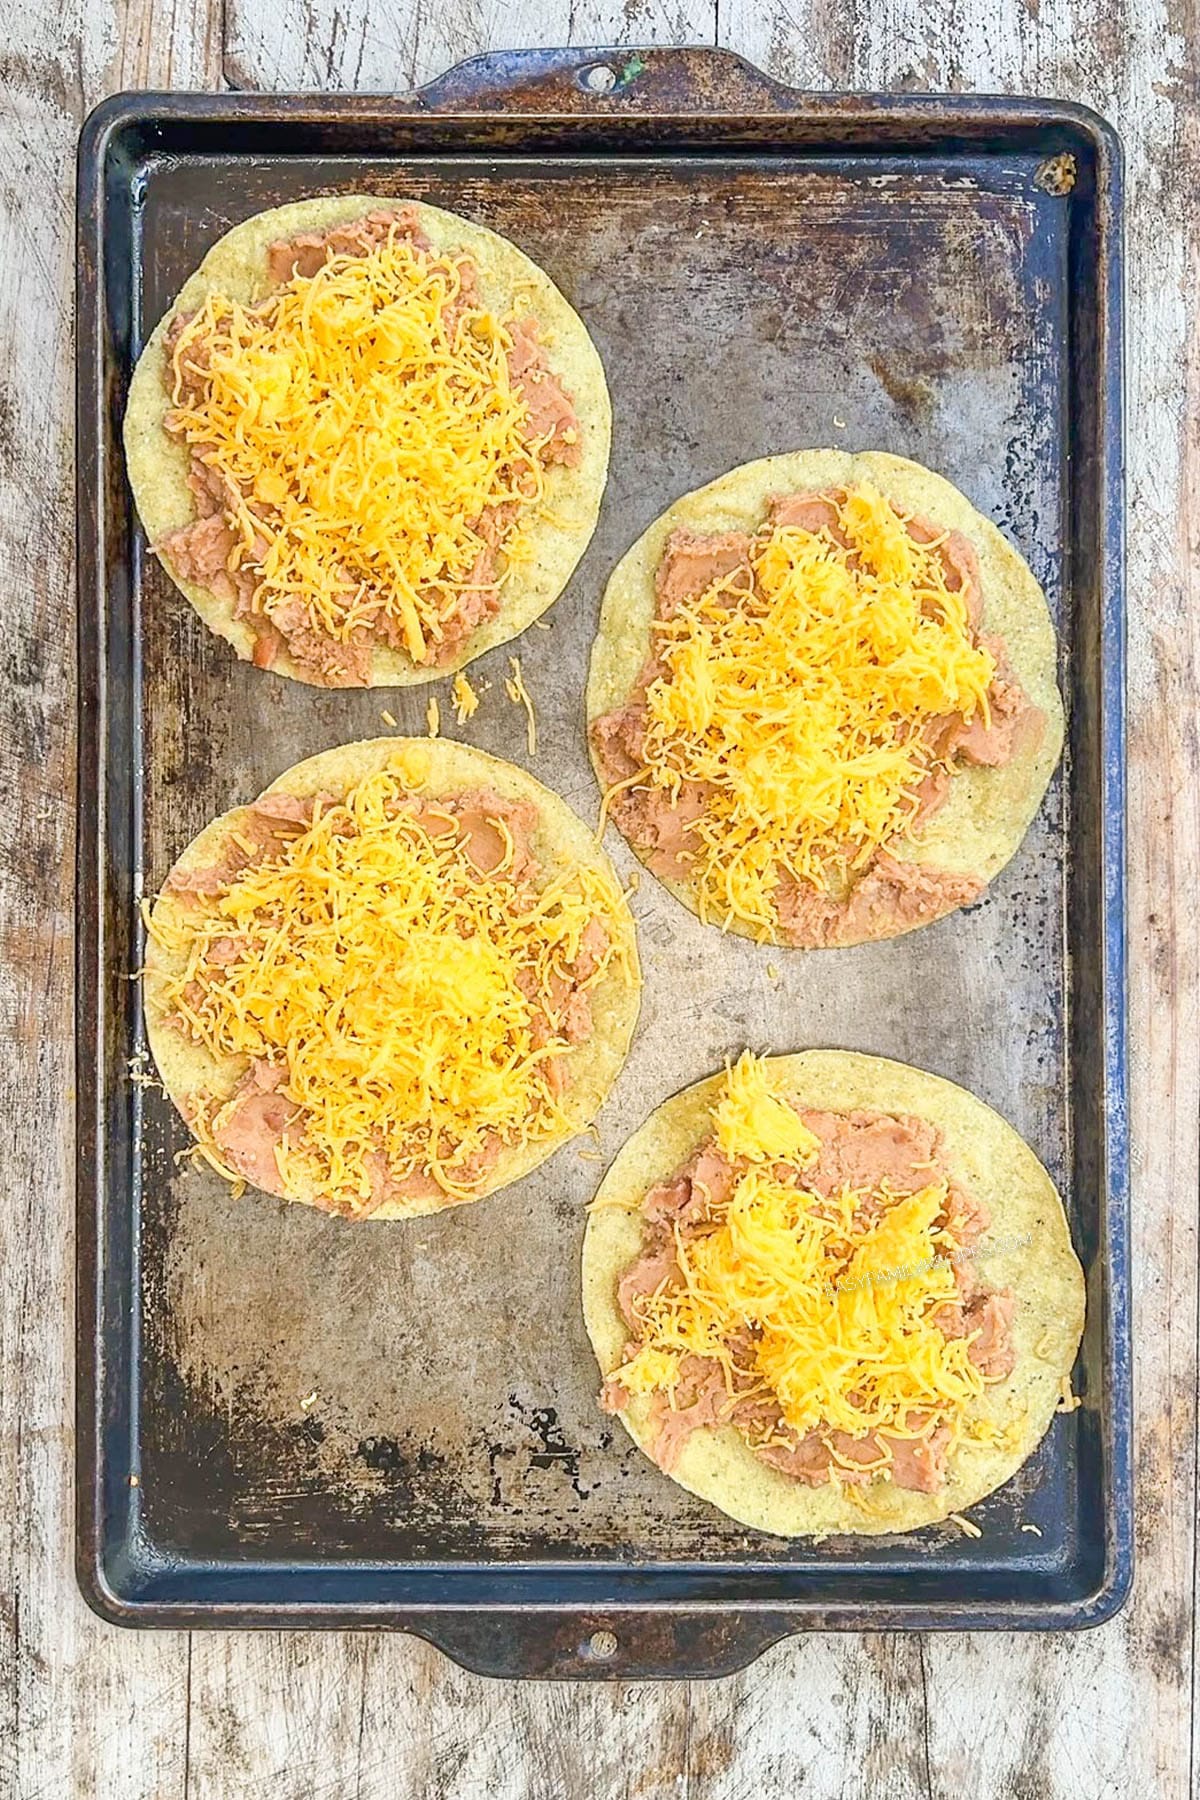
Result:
{"points": [[366, 416], [400, 989], [754, 1119], [804, 703], [841, 1307]]}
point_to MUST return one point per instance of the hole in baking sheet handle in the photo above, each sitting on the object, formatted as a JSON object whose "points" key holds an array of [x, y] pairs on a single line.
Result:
{"points": [[602, 1646], [598, 78]]}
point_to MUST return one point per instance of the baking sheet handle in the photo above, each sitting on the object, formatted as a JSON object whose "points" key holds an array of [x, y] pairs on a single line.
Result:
{"points": [[614, 1646], [699, 79]]}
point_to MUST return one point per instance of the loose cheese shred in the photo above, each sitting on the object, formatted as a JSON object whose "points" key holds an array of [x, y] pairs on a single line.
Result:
{"points": [[1034, 1528], [388, 719], [139, 1075], [842, 1300], [805, 706], [407, 997], [968, 1527], [635, 780], [366, 419], [1068, 1402], [433, 716], [518, 693], [466, 700]]}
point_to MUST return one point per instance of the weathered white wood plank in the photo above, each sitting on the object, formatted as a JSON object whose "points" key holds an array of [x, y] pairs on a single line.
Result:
{"points": [[386, 1718], [326, 44], [83, 1709], [838, 1717], [173, 45]]}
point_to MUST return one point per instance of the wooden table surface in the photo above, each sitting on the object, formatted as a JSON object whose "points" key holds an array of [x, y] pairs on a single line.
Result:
{"points": [[87, 1710]]}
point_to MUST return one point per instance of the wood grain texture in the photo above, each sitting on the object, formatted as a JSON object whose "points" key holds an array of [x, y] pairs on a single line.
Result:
{"points": [[80, 1711], [329, 45], [86, 1710]]}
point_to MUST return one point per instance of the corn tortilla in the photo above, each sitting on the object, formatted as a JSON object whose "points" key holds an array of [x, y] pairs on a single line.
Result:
{"points": [[236, 266], [436, 770], [993, 1163], [988, 811]]}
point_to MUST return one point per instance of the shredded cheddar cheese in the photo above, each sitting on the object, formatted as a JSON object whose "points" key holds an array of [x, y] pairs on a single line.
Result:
{"points": [[519, 694], [206, 1153], [466, 700], [408, 1001], [433, 716], [996, 1436], [803, 704], [367, 427], [824, 1303], [755, 1121], [139, 1075], [1068, 1401], [650, 1370]]}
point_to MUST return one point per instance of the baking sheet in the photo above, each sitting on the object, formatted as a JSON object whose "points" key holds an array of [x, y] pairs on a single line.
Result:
{"points": [[302, 1399]]}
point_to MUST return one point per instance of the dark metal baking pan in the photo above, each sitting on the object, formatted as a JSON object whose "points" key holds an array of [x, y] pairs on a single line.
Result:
{"points": [[286, 1420]]}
